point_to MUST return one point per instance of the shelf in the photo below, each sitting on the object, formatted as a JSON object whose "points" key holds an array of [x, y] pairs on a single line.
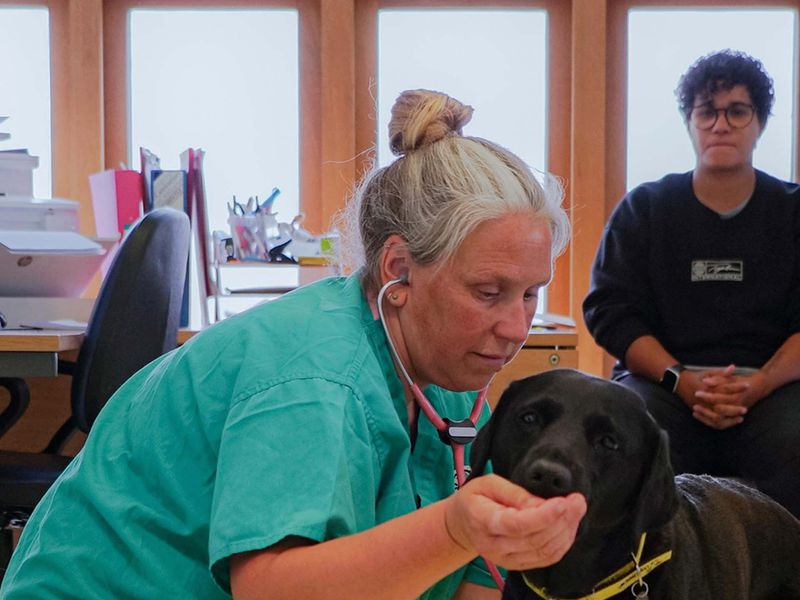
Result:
{"points": [[254, 280]]}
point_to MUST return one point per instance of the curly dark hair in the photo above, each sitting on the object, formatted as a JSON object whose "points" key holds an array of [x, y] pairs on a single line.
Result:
{"points": [[720, 71]]}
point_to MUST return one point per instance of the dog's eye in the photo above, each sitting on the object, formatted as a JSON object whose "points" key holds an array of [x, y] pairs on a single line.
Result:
{"points": [[529, 418], [607, 442]]}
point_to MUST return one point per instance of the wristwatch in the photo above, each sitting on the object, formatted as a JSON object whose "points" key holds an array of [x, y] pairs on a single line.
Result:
{"points": [[670, 378]]}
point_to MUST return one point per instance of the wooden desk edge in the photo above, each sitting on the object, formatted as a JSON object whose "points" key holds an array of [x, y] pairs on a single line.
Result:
{"points": [[552, 338], [40, 340], [185, 334], [538, 338]]}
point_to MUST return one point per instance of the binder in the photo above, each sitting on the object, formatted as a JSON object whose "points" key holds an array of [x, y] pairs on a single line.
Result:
{"points": [[168, 188], [150, 162], [183, 189], [192, 163], [117, 200]]}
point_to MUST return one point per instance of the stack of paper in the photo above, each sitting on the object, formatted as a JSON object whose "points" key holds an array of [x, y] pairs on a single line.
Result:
{"points": [[16, 170], [61, 324]]}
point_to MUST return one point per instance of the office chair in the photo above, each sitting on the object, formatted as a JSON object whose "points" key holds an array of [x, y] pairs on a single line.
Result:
{"points": [[134, 320], [17, 402]]}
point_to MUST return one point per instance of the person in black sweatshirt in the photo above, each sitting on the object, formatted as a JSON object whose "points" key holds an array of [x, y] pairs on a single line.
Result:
{"points": [[696, 290]]}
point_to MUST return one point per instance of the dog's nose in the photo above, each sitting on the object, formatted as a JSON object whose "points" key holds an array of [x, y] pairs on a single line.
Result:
{"points": [[548, 478]]}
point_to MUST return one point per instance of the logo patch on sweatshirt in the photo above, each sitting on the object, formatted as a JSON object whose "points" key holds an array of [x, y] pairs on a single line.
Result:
{"points": [[717, 270]]}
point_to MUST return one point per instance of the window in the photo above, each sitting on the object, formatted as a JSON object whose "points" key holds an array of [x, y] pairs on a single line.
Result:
{"points": [[494, 60], [225, 81], [657, 140], [25, 73]]}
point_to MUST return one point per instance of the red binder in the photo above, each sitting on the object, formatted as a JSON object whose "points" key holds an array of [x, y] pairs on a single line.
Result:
{"points": [[117, 199]]}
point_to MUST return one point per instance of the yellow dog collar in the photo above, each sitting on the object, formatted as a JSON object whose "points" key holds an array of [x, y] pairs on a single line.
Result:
{"points": [[617, 582]]}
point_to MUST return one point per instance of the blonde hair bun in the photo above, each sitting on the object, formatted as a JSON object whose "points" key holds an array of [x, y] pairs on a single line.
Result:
{"points": [[422, 117]]}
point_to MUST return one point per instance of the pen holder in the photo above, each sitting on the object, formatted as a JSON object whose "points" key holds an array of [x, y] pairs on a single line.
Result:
{"points": [[248, 237], [270, 229]]}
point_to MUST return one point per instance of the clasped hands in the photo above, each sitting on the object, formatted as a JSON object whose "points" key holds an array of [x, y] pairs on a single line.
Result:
{"points": [[718, 397]]}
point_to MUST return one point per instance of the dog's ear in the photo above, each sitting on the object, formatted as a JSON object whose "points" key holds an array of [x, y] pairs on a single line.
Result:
{"points": [[658, 500], [481, 449]]}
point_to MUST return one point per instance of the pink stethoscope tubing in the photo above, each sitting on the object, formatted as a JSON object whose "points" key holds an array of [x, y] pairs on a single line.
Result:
{"points": [[438, 422]]}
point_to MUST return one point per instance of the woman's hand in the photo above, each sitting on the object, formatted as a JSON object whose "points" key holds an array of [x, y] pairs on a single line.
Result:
{"points": [[509, 526]]}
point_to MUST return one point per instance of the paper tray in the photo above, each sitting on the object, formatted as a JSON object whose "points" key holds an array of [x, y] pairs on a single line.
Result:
{"points": [[44, 270]]}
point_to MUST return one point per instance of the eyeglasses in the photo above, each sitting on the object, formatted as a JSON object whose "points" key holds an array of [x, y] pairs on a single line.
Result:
{"points": [[738, 115]]}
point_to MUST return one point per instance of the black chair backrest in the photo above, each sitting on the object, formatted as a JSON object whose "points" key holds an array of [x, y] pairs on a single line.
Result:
{"points": [[136, 315]]}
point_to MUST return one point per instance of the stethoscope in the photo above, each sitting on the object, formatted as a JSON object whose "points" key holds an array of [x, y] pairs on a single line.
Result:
{"points": [[456, 434]]}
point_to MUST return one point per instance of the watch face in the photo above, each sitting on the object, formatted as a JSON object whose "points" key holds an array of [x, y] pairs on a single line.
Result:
{"points": [[670, 379]]}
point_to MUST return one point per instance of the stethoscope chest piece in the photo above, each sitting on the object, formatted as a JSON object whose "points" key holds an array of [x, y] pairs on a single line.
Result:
{"points": [[458, 432]]}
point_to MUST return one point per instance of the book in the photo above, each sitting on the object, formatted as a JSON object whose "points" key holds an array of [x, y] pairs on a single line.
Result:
{"points": [[150, 162]]}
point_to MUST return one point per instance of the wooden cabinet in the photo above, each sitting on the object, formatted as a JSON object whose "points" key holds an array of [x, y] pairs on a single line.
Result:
{"points": [[544, 350]]}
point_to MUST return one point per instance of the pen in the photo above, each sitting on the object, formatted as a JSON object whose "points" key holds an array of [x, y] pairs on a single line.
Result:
{"points": [[267, 204]]}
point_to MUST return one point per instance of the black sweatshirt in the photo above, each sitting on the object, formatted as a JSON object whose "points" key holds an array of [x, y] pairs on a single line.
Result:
{"points": [[712, 290]]}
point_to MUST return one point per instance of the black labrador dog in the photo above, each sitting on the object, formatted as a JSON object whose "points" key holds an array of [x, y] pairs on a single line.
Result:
{"points": [[706, 538]]}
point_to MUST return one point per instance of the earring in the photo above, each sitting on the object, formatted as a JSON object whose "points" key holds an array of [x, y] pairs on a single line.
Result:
{"points": [[393, 296]]}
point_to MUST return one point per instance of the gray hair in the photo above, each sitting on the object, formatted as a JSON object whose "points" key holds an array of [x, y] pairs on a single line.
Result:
{"points": [[442, 186]]}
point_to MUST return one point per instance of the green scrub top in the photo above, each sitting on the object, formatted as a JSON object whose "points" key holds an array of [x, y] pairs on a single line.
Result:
{"points": [[286, 420]]}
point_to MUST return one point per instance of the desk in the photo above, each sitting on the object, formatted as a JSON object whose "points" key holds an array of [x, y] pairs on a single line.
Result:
{"points": [[34, 353]]}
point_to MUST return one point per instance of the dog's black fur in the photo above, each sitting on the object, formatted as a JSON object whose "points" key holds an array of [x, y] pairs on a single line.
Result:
{"points": [[564, 431]]}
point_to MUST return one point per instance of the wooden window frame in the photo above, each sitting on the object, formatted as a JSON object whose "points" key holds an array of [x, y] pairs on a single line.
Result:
{"points": [[76, 128], [586, 107], [618, 79], [616, 90], [558, 104], [116, 77]]}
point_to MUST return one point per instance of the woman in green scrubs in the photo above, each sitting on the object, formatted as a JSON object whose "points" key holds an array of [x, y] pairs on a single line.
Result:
{"points": [[283, 452]]}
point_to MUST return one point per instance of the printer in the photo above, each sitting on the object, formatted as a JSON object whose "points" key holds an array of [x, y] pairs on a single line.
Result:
{"points": [[42, 254]]}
